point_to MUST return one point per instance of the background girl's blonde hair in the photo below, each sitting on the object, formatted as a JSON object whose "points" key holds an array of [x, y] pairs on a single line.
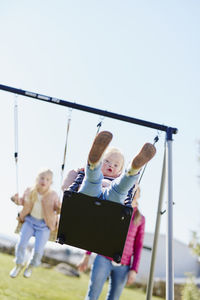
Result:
{"points": [[137, 216], [34, 193]]}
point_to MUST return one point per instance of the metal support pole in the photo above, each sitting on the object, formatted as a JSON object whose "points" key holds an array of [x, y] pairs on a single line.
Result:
{"points": [[169, 240], [157, 228]]}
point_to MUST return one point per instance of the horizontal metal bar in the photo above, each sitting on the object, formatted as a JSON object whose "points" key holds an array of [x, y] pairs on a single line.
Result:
{"points": [[104, 113]]}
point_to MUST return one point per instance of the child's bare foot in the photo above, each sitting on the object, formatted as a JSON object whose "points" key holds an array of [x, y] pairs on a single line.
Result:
{"points": [[144, 156], [99, 145]]}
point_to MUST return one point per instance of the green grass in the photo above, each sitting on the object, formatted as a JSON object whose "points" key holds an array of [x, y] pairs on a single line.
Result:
{"points": [[48, 284]]}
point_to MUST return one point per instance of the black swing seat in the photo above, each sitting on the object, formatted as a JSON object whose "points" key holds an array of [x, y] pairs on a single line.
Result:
{"points": [[93, 224]]}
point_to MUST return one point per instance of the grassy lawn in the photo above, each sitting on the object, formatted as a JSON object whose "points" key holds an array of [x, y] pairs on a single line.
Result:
{"points": [[48, 284]]}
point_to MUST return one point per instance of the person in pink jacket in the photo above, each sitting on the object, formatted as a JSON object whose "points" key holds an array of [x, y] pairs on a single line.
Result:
{"points": [[119, 274], [104, 178], [41, 206]]}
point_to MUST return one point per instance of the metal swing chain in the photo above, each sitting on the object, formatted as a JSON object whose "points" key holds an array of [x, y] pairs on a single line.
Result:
{"points": [[17, 230], [156, 139], [99, 124], [16, 141], [66, 145]]}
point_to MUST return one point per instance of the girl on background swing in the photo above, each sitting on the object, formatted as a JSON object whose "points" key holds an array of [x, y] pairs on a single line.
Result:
{"points": [[39, 216]]}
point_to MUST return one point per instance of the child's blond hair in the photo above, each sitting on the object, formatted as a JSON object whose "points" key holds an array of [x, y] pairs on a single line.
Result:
{"points": [[111, 150], [137, 216], [34, 193]]}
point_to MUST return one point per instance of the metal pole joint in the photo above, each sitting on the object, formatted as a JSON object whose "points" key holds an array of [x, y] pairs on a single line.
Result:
{"points": [[170, 131]]}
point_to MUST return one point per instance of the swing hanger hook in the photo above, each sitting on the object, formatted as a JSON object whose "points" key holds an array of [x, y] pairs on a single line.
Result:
{"points": [[156, 139], [101, 118], [69, 112]]}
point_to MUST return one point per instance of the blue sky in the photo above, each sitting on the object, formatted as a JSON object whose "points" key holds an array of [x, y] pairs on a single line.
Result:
{"points": [[137, 58]]}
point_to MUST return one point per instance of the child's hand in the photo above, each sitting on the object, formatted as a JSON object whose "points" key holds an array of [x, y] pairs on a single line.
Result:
{"points": [[131, 277], [19, 218], [83, 265], [80, 169], [106, 183], [15, 198]]}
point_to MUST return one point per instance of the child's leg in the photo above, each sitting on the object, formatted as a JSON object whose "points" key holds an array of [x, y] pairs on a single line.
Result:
{"points": [[100, 271], [92, 183], [42, 233], [117, 281], [20, 250], [120, 187], [26, 233]]}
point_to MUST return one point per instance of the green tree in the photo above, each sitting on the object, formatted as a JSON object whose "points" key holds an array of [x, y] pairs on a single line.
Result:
{"points": [[195, 243], [190, 290], [195, 240]]}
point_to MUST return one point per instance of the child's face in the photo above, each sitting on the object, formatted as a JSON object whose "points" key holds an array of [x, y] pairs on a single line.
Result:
{"points": [[44, 182], [112, 165]]}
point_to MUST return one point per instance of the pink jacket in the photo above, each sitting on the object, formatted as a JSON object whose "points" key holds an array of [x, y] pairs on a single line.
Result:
{"points": [[133, 245]]}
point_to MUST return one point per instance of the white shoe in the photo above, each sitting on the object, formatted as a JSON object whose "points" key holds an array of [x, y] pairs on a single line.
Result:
{"points": [[16, 270], [28, 271]]}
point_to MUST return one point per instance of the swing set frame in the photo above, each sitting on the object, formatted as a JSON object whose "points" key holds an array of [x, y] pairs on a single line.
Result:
{"points": [[167, 167]]}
